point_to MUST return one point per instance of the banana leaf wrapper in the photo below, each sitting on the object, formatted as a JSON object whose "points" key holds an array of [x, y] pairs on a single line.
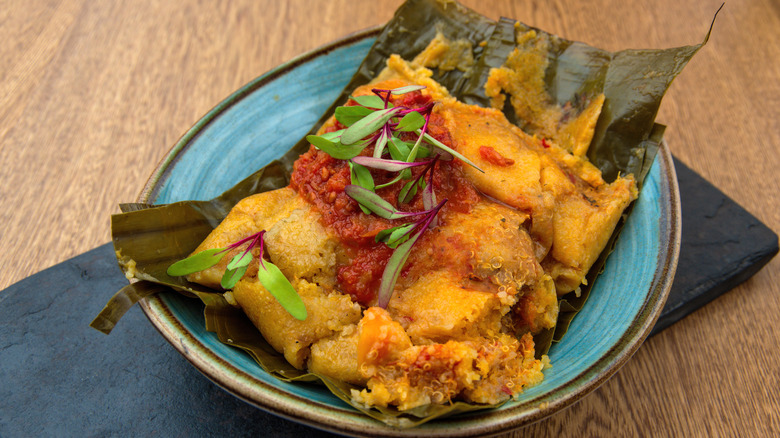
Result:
{"points": [[149, 238]]}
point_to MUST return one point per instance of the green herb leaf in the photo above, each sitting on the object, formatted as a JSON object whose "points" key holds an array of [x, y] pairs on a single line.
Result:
{"points": [[411, 122], [321, 142], [371, 201], [388, 165], [395, 236], [370, 101], [407, 89], [240, 260], [348, 115], [393, 268], [408, 191], [379, 146], [446, 148], [361, 176], [404, 174], [401, 253], [398, 148], [196, 262], [277, 285], [335, 148], [367, 125], [333, 135], [376, 204], [231, 277]]}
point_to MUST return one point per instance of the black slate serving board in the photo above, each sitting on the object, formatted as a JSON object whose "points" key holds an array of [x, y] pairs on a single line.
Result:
{"points": [[59, 377]]}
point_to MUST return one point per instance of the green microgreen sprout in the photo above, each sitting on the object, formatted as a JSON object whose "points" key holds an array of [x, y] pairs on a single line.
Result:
{"points": [[269, 275], [410, 188], [376, 121], [361, 176], [388, 165], [401, 238], [376, 204]]}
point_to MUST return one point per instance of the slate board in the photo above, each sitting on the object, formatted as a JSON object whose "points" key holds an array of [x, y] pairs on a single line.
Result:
{"points": [[722, 245], [59, 377]]}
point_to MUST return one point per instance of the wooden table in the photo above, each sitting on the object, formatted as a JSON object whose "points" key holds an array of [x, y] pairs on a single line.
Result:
{"points": [[94, 93]]}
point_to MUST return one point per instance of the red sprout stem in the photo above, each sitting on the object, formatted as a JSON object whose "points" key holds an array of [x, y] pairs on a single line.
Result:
{"points": [[254, 238]]}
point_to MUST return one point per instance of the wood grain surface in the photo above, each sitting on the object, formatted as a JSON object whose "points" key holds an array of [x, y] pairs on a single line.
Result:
{"points": [[94, 93]]}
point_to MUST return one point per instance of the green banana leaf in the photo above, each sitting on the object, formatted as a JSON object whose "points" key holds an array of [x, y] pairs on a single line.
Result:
{"points": [[149, 238]]}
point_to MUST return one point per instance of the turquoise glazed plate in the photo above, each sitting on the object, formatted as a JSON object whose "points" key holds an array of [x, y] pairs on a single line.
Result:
{"points": [[231, 142]]}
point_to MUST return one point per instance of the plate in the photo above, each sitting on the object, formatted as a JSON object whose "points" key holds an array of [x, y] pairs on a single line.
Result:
{"points": [[232, 141]]}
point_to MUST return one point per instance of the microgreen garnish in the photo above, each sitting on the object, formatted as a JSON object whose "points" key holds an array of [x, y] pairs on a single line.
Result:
{"points": [[410, 189], [331, 145], [347, 115], [376, 204], [361, 176], [381, 141], [376, 121], [389, 165], [449, 150], [411, 121], [395, 236], [401, 238], [368, 125], [369, 101], [197, 262], [406, 89], [269, 275]]}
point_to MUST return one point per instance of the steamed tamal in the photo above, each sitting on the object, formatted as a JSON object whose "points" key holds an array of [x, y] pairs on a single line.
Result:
{"points": [[521, 225], [624, 140]]}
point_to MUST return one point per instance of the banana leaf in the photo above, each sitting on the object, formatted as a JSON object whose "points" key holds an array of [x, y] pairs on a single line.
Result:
{"points": [[149, 238], [626, 137]]}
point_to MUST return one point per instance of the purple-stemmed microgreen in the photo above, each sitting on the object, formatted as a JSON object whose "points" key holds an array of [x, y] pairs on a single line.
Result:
{"points": [[411, 121], [368, 125], [361, 176], [375, 120], [410, 188], [381, 141], [424, 116], [388, 165], [429, 196], [348, 115], [269, 275], [399, 150], [392, 237], [432, 141], [370, 101], [406, 89], [330, 143], [376, 204], [274, 281], [403, 238], [196, 262]]}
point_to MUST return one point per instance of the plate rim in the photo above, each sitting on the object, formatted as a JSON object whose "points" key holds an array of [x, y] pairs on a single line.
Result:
{"points": [[318, 415]]}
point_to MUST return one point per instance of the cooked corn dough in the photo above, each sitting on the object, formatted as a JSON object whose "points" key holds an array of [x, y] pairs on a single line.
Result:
{"points": [[474, 290]]}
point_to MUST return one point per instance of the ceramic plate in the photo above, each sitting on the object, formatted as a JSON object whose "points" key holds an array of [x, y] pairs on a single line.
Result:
{"points": [[231, 142]]}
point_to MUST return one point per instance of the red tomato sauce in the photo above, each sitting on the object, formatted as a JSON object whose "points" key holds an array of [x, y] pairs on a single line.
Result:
{"points": [[321, 180]]}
